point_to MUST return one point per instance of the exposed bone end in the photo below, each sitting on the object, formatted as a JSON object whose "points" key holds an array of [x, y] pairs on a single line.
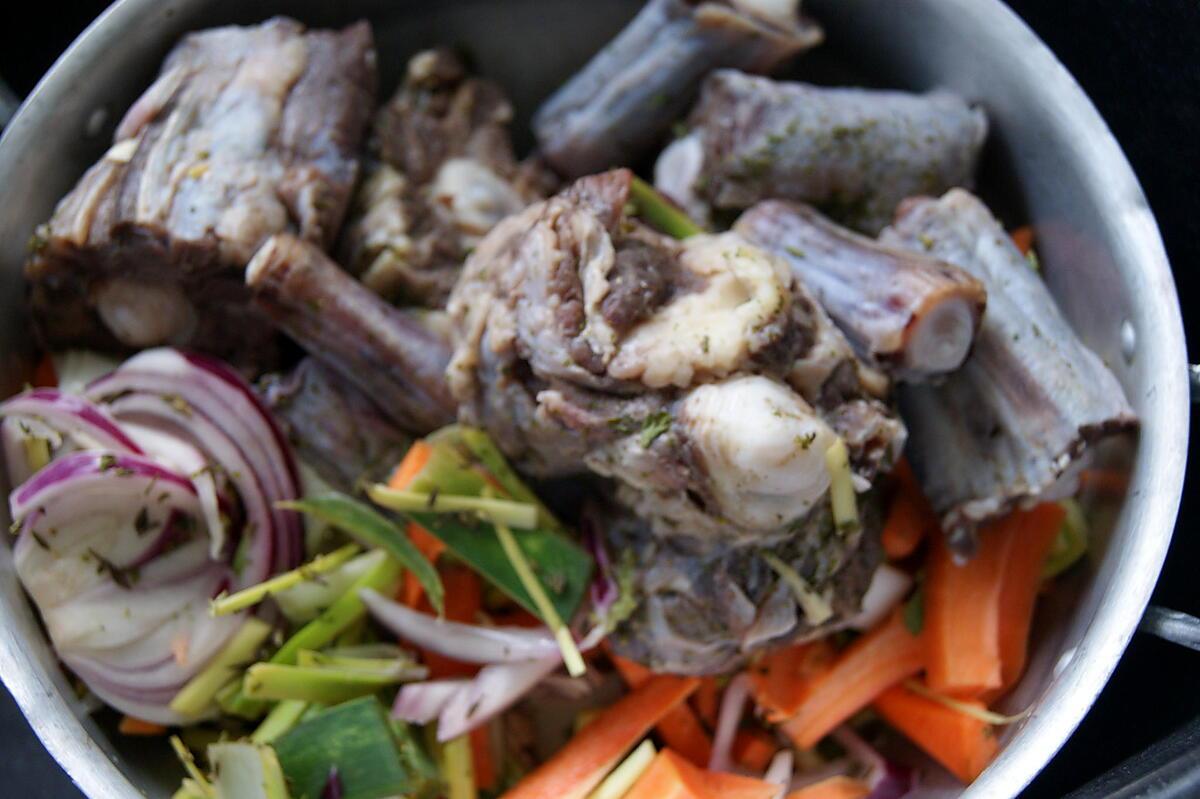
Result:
{"points": [[938, 339], [763, 448], [145, 314]]}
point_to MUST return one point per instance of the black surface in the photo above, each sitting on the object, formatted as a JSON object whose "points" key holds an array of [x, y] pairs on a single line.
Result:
{"points": [[1139, 60]]}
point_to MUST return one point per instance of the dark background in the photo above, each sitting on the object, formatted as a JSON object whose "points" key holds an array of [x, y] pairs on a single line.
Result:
{"points": [[1139, 61]]}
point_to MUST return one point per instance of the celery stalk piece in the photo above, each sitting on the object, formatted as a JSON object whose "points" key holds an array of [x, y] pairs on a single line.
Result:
{"points": [[346, 610], [562, 634], [660, 212], [1070, 544], [197, 696], [457, 767], [520, 515], [621, 779], [283, 717], [841, 488], [248, 597], [371, 528], [303, 602], [367, 750], [465, 460], [400, 668], [246, 771], [321, 684], [817, 609]]}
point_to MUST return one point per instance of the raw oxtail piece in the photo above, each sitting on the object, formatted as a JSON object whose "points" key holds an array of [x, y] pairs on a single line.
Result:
{"points": [[911, 313], [334, 426], [395, 357], [247, 132], [626, 98], [1016, 421], [441, 175], [853, 153]]}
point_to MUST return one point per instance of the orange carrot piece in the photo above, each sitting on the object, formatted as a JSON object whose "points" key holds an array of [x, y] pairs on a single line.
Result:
{"points": [[131, 725], [833, 788], [595, 750], [1032, 533], [962, 614], [680, 729], [783, 678], [413, 462], [432, 548], [910, 518], [753, 749], [464, 599], [865, 669], [44, 375], [483, 762], [963, 744], [707, 701], [1023, 238], [671, 776]]}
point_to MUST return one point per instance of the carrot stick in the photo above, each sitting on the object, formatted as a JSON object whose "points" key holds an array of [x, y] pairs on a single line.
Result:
{"points": [[753, 749], [680, 729], [962, 614], [1023, 238], [432, 548], [131, 725], [865, 669], [482, 761], [833, 788], [961, 743], [781, 680], [671, 776], [579, 766], [412, 464], [910, 518], [707, 701], [1032, 533]]}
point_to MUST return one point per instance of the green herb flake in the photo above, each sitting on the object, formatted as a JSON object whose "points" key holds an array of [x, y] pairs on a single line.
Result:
{"points": [[913, 612], [655, 425]]}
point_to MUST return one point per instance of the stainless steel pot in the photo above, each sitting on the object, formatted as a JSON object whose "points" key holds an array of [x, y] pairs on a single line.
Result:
{"points": [[1051, 160]]}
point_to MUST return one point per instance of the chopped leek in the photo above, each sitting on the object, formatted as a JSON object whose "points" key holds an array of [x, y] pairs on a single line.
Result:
{"points": [[321, 684], [37, 452], [966, 708], [660, 212], [246, 771], [283, 717], [841, 488], [1070, 544], [457, 768], [303, 602], [195, 697], [367, 750], [622, 778], [248, 597], [520, 515], [817, 609], [199, 781], [364, 524], [190, 789], [320, 631], [562, 634]]}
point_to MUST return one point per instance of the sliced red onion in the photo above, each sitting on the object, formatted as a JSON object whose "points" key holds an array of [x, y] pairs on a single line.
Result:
{"points": [[494, 690], [729, 717], [467, 643], [421, 703], [70, 415], [887, 589], [604, 590], [886, 780], [219, 413], [60, 482], [779, 771], [333, 785]]}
